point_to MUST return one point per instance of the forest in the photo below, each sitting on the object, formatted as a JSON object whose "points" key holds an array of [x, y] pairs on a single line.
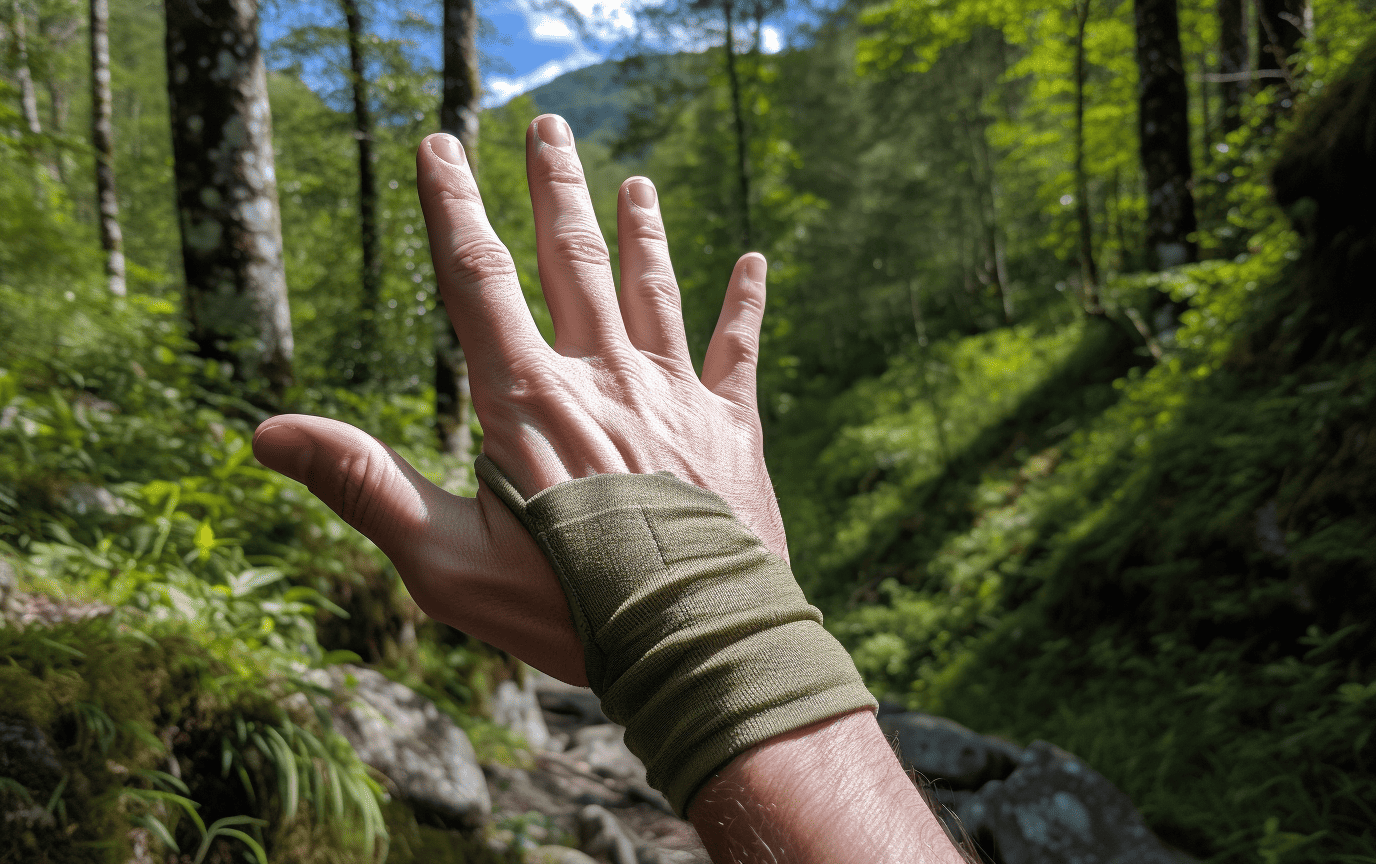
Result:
{"points": [[1067, 380]]}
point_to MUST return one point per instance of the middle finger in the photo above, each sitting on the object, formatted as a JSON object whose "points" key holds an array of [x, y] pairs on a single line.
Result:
{"points": [[575, 270]]}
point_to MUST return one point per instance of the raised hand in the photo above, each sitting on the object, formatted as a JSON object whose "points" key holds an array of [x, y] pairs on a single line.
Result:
{"points": [[616, 394]]}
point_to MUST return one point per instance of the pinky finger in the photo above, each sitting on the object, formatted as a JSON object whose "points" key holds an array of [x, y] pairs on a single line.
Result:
{"points": [[729, 368]]}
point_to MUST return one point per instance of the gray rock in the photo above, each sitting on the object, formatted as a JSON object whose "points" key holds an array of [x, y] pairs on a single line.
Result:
{"points": [[1055, 809], [947, 753], [83, 498], [574, 708], [515, 707], [601, 835], [603, 749], [402, 734]]}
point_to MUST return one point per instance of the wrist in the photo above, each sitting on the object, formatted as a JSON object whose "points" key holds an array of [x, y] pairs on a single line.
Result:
{"points": [[831, 793]]}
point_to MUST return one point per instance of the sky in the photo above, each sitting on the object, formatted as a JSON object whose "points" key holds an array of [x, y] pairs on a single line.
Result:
{"points": [[526, 47]]}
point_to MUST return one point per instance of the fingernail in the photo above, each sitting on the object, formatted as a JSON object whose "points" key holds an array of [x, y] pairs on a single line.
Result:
{"points": [[286, 450], [553, 131], [642, 193], [448, 148], [756, 268]]}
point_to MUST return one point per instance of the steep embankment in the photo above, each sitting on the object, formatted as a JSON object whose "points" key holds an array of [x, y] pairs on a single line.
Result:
{"points": [[1165, 567]]}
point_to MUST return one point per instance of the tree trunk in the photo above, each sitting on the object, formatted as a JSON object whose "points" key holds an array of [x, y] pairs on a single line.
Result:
{"points": [[1278, 35], [103, 142], [1232, 61], [738, 115], [231, 229], [28, 98], [458, 117], [1089, 271], [980, 172], [367, 200], [1163, 125]]}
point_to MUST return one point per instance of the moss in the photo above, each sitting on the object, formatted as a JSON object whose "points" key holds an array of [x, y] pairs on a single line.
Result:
{"points": [[414, 842]]}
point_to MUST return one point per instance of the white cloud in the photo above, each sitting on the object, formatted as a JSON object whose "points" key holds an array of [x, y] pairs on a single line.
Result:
{"points": [[548, 28], [499, 90], [606, 20]]}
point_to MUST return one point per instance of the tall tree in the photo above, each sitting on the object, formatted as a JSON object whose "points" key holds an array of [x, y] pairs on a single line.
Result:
{"points": [[103, 143], [733, 82], [231, 228], [1163, 125], [1233, 73], [458, 117], [1089, 270], [367, 196], [28, 99]]}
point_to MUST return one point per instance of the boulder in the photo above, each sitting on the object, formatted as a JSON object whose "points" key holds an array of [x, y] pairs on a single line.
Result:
{"points": [[601, 835], [515, 707], [1055, 809], [574, 708], [427, 758], [947, 753], [603, 749]]}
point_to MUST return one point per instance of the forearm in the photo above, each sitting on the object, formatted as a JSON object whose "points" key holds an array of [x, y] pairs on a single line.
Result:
{"points": [[829, 793]]}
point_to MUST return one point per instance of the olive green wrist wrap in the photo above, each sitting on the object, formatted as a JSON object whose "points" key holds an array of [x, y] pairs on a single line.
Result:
{"points": [[695, 636]]}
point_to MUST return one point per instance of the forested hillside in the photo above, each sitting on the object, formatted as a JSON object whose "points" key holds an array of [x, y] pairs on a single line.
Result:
{"points": [[1067, 379]]}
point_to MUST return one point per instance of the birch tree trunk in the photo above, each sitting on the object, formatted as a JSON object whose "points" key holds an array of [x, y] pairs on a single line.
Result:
{"points": [[231, 229], [367, 199], [458, 117], [103, 143], [28, 98], [1163, 125]]}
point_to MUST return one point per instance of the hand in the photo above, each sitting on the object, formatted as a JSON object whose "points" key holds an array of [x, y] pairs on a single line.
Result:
{"points": [[616, 394]]}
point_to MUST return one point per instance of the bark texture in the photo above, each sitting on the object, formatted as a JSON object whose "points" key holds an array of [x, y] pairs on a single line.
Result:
{"points": [[458, 117], [1163, 125], [236, 289], [367, 199], [1232, 61], [103, 142]]}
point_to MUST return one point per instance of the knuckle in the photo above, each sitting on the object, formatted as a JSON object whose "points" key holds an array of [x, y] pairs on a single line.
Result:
{"points": [[579, 243], [658, 285], [740, 344], [749, 305], [647, 231], [355, 477], [474, 259]]}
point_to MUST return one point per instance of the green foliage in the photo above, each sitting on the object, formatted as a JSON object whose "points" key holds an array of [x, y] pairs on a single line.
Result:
{"points": [[1170, 589]]}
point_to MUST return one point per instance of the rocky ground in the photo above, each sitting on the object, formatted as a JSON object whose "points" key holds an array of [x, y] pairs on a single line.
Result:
{"points": [[582, 796], [1007, 804]]}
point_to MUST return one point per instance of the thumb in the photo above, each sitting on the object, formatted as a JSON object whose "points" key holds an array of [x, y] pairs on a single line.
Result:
{"points": [[357, 476]]}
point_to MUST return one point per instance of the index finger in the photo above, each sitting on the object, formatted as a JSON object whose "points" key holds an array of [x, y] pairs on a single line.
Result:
{"points": [[474, 271]]}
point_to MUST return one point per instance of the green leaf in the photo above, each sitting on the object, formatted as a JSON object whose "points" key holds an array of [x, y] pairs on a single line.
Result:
{"points": [[258, 852], [154, 824], [65, 649]]}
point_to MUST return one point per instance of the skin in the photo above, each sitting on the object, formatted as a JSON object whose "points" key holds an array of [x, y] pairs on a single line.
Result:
{"points": [[617, 393]]}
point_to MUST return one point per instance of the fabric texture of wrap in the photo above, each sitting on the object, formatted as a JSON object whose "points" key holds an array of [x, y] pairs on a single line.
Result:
{"points": [[696, 637]]}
